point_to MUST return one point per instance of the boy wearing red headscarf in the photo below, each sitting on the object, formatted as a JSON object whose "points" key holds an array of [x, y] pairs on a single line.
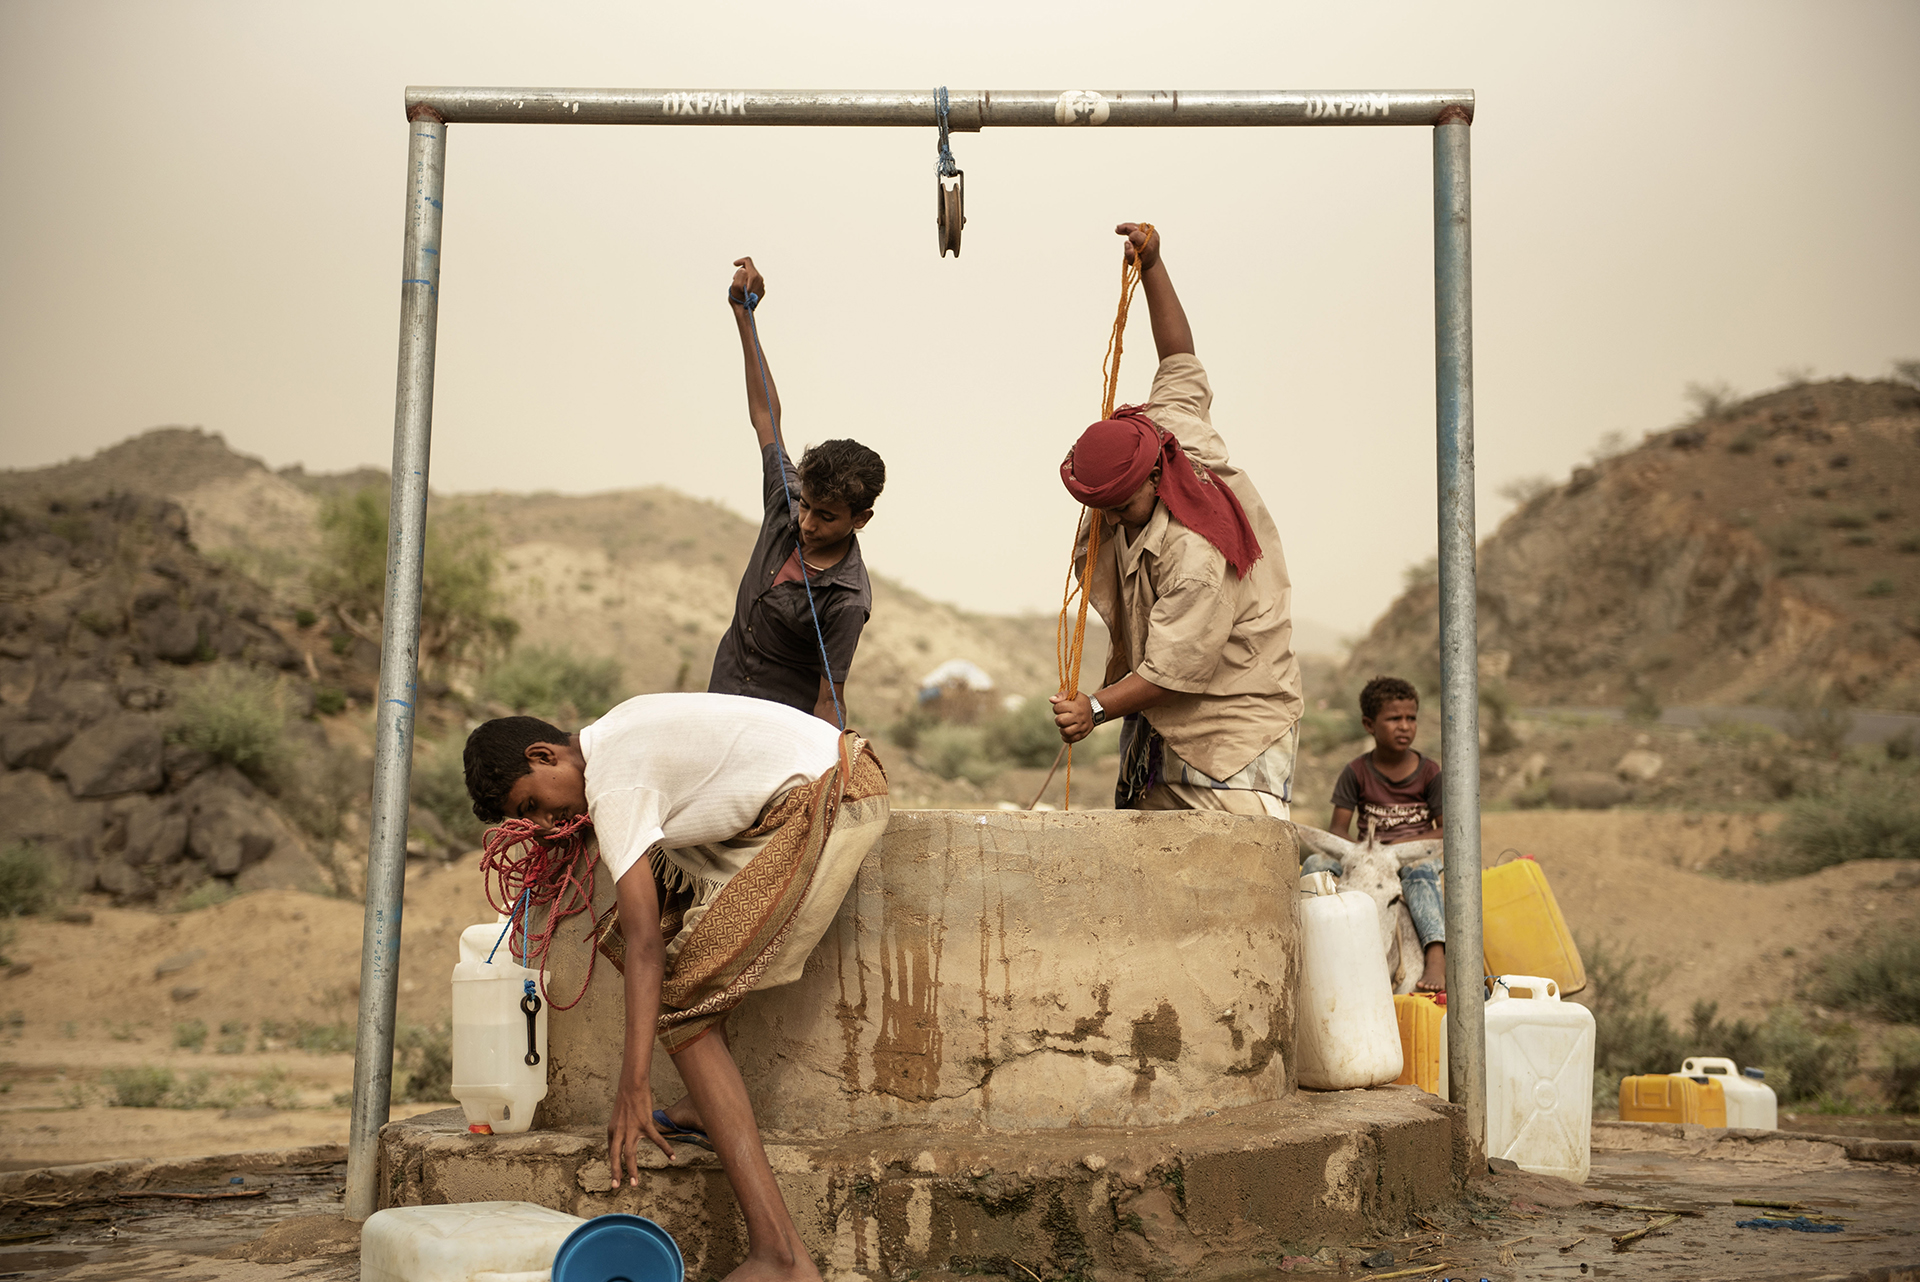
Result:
{"points": [[1193, 587]]}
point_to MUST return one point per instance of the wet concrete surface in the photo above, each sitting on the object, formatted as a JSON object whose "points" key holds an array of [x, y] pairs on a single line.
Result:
{"points": [[1511, 1227]]}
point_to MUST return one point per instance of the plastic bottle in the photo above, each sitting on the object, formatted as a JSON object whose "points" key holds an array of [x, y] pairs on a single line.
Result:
{"points": [[1521, 929], [1348, 1034], [1422, 1018], [1751, 1103], [462, 1241], [1539, 1077], [499, 1035]]}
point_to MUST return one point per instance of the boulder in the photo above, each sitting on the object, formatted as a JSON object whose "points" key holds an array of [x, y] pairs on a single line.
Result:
{"points": [[230, 825], [76, 704], [156, 833], [32, 745], [1639, 765], [1587, 790], [290, 866], [123, 753], [170, 633]]}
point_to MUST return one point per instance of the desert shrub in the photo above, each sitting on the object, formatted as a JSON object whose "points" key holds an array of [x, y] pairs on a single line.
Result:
{"points": [[1629, 1034], [553, 684], [1900, 747], [459, 606], [1330, 730], [212, 891], [28, 882], [190, 1035], [138, 1087], [423, 1055], [1709, 399], [1642, 704], [1421, 573], [1023, 736], [438, 785], [1878, 588], [325, 1039], [233, 1039], [329, 700], [954, 752], [1817, 723], [1878, 976], [1875, 818], [232, 714], [1806, 1059], [305, 618], [321, 786], [1902, 1072]]}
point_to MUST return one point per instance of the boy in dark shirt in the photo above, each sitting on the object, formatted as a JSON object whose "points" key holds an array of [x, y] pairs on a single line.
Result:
{"points": [[773, 649], [1395, 791]]}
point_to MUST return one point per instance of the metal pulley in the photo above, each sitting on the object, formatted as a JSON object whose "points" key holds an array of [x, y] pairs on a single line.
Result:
{"points": [[950, 198], [950, 211]]}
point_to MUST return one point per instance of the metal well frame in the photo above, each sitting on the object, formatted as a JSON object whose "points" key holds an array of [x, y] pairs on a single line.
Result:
{"points": [[1449, 113]]}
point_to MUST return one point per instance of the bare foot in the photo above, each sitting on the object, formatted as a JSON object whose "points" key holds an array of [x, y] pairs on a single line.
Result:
{"points": [[798, 1269], [683, 1113], [1434, 978]]}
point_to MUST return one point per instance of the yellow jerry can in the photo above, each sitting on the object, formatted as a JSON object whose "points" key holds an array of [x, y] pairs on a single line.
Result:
{"points": [[1673, 1097], [1423, 1042], [1521, 929]]}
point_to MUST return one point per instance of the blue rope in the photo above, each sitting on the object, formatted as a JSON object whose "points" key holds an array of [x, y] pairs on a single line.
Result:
{"points": [[520, 904], [766, 390], [945, 166]]}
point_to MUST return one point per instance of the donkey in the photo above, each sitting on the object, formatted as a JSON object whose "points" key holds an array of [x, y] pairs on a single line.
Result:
{"points": [[1373, 869]]}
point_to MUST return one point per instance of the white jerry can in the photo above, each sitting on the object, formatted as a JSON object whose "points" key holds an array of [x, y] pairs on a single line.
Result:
{"points": [[1539, 1078], [499, 1034], [1750, 1101], [463, 1242], [1348, 1034]]}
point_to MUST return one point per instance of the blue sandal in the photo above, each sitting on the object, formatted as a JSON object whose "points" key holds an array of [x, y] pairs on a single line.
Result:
{"points": [[680, 1134]]}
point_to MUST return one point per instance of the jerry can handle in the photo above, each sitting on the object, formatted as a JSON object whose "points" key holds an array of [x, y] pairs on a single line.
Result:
{"points": [[1538, 987], [1709, 1064]]}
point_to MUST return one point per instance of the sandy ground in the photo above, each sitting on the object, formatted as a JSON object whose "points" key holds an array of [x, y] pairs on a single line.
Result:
{"points": [[83, 1000]]}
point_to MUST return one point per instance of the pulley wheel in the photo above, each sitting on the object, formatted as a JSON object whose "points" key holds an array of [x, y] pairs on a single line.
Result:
{"points": [[951, 208]]}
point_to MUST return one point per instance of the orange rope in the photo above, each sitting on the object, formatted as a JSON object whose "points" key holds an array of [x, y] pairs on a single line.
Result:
{"points": [[1067, 648]]}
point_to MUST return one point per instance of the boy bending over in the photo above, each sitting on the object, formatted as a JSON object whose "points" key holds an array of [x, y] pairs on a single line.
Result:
{"points": [[771, 649], [1194, 590], [1396, 794], [732, 828]]}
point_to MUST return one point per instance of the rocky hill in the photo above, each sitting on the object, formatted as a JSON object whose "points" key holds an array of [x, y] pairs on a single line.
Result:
{"points": [[1766, 553], [156, 611]]}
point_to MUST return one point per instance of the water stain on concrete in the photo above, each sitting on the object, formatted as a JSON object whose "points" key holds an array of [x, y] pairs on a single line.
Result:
{"points": [[907, 1053]]}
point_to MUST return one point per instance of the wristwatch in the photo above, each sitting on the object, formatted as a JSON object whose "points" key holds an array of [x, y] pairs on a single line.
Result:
{"points": [[1099, 713]]}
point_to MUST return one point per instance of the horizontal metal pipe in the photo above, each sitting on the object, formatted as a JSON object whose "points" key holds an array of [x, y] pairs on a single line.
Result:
{"points": [[970, 109]]}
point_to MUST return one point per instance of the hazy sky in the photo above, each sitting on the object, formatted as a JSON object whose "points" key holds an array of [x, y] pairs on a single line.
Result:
{"points": [[202, 203]]}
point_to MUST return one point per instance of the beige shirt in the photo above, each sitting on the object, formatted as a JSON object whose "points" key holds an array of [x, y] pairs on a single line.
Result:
{"points": [[1184, 621]]}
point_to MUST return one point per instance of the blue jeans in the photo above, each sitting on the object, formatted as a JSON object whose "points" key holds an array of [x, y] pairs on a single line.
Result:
{"points": [[1419, 889]]}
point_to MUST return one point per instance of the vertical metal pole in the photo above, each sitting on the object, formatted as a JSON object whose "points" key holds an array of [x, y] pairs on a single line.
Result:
{"points": [[399, 660], [1459, 651]]}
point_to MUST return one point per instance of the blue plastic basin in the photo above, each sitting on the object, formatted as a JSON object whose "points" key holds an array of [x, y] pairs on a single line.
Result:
{"points": [[619, 1248]]}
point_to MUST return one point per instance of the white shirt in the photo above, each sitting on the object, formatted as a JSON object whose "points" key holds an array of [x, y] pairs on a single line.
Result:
{"points": [[685, 770]]}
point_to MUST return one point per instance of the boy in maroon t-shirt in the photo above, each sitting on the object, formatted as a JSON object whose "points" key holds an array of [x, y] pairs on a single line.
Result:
{"points": [[1395, 791]]}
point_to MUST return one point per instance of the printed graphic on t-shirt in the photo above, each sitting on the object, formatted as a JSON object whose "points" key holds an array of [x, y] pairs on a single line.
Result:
{"points": [[1398, 809]]}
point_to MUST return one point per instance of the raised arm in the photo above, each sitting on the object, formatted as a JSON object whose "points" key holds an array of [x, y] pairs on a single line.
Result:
{"points": [[1172, 335], [765, 416]]}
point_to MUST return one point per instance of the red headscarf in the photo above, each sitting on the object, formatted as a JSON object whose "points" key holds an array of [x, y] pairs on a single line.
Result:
{"points": [[1115, 456]]}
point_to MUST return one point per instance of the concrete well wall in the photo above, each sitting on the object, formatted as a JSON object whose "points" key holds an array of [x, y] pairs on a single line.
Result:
{"points": [[1005, 971]]}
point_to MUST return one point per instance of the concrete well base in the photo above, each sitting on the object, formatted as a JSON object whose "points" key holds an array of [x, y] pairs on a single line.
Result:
{"points": [[1210, 1197]]}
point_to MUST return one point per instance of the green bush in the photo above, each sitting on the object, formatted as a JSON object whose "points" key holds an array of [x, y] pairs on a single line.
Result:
{"points": [[1876, 818], [1878, 976], [138, 1087], [1629, 1035], [1330, 730], [28, 882], [553, 684], [190, 1035], [955, 752], [208, 893], [324, 1039], [459, 606], [232, 714], [439, 785], [1902, 1072], [1024, 736], [305, 618], [1818, 724], [329, 700], [423, 1056]]}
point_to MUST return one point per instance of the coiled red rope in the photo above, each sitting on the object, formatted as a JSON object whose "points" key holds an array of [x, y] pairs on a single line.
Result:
{"points": [[547, 874]]}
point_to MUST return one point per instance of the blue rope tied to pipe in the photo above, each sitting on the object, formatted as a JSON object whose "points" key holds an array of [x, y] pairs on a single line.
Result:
{"points": [[945, 165], [806, 580]]}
